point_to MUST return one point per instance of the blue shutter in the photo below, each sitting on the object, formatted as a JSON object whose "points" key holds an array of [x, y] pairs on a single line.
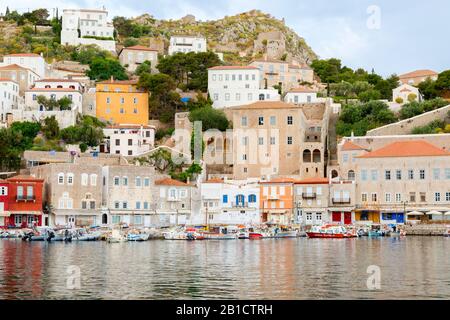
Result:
{"points": [[225, 198]]}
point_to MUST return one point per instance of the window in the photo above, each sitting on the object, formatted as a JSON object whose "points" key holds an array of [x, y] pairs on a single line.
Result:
{"points": [[238, 97], [447, 196], [309, 217], [93, 180], [289, 140], [216, 96], [387, 174], [125, 181], [260, 121], [290, 120], [84, 179], [3, 191], [345, 157], [115, 219], [364, 197], [92, 205], [250, 97], [374, 174], [398, 174], [374, 197], [116, 181], [273, 120], [244, 121], [145, 205], [70, 178], [138, 205], [225, 198], [244, 141], [125, 205], [412, 197], [422, 174], [146, 182], [272, 140], [387, 197], [436, 174], [447, 173], [117, 142], [364, 175], [437, 196], [60, 178], [318, 216], [30, 193], [423, 197], [138, 219], [398, 197], [261, 141], [138, 181], [252, 198], [227, 97]]}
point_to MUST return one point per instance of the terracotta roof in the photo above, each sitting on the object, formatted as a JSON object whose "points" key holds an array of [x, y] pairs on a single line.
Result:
{"points": [[57, 80], [268, 60], [52, 89], [129, 126], [15, 66], [413, 148], [313, 181], [7, 80], [214, 180], [266, 105], [303, 89], [171, 182], [138, 48], [405, 90], [119, 82], [233, 68], [279, 180], [418, 73], [23, 55], [24, 177], [349, 146]]}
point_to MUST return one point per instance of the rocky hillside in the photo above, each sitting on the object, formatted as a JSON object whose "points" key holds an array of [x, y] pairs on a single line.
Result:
{"points": [[241, 37]]}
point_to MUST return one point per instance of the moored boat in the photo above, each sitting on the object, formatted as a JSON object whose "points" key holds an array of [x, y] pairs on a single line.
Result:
{"points": [[329, 232]]}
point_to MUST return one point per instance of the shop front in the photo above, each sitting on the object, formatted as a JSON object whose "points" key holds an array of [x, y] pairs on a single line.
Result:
{"points": [[392, 217], [342, 217], [23, 219], [369, 216]]}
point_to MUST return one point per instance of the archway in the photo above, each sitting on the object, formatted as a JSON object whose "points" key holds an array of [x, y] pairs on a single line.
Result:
{"points": [[307, 156]]}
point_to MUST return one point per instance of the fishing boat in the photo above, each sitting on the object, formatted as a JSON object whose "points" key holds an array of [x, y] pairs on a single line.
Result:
{"points": [[175, 234], [447, 232], [219, 236], [138, 236], [255, 235], [329, 232], [83, 235], [116, 237], [61, 235], [374, 233], [286, 234]]}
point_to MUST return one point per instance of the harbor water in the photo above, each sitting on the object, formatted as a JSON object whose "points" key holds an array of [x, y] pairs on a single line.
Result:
{"points": [[409, 268]]}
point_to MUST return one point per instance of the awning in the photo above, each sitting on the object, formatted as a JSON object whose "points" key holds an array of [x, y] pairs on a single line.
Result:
{"points": [[433, 212], [275, 211], [447, 213], [415, 213], [5, 213]]}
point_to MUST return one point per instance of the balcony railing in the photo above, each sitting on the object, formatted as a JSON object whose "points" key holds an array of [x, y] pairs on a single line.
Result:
{"points": [[239, 204], [25, 198], [341, 201], [309, 195]]}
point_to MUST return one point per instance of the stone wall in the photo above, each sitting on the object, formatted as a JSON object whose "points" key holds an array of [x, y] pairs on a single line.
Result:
{"points": [[406, 126]]}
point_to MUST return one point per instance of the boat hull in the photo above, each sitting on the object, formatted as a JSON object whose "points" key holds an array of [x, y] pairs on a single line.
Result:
{"points": [[319, 235]]}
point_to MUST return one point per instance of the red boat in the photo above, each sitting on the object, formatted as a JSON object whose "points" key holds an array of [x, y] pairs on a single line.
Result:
{"points": [[329, 232], [255, 236]]}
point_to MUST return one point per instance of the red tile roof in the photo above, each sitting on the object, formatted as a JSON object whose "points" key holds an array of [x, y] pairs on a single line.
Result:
{"points": [[24, 178], [413, 148], [23, 55], [57, 80], [7, 80], [233, 68], [349, 146], [52, 89], [313, 181], [171, 182], [303, 90], [214, 180], [418, 73], [119, 82], [279, 180]]}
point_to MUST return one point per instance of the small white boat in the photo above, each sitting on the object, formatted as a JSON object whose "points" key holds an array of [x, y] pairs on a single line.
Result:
{"points": [[138, 236]]}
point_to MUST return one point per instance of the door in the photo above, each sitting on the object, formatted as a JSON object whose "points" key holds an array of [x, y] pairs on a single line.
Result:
{"points": [[400, 218], [71, 220], [347, 218], [336, 217], [104, 218]]}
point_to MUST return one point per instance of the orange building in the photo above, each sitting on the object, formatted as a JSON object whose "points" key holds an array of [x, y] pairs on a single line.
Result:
{"points": [[121, 102], [276, 200]]}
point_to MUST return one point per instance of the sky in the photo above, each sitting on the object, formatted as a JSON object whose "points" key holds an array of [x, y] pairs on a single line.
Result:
{"points": [[386, 35]]}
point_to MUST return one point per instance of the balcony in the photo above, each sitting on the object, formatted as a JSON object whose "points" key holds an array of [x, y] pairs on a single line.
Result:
{"points": [[25, 198], [341, 201], [273, 197], [173, 199], [309, 195], [239, 204]]}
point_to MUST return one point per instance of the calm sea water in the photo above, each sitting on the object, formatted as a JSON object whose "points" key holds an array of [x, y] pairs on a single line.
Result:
{"points": [[411, 268]]}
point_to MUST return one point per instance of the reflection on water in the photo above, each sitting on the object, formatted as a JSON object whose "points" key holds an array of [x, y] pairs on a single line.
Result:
{"points": [[414, 267]]}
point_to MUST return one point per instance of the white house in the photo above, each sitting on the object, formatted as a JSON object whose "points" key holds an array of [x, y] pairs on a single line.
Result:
{"points": [[187, 44], [31, 61], [229, 202], [404, 93], [269, 95], [301, 95], [9, 97], [59, 84], [132, 57], [86, 26], [230, 86], [129, 140]]}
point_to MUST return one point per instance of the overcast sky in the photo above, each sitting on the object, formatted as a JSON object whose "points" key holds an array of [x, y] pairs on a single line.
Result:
{"points": [[389, 36]]}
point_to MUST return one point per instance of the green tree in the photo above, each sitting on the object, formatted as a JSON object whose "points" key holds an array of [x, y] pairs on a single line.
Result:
{"points": [[146, 66], [443, 81], [211, 118], [368, 95], [86, 54], [104, 69], [428, 89], [50, 128], [129, 42]]}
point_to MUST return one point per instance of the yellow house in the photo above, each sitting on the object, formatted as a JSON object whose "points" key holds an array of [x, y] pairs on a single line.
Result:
{"points": [[121, 102]]}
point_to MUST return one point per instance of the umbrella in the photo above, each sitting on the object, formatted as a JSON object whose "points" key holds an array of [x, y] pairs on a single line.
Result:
{"points": [[415, 213], [433, 212], [447, 213]]}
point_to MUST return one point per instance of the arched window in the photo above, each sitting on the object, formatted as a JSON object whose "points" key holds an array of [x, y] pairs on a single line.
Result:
{"points": [[334, 174], [261, 97], [351, 175], [252, 198], [306, 156], [316, 156]]}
